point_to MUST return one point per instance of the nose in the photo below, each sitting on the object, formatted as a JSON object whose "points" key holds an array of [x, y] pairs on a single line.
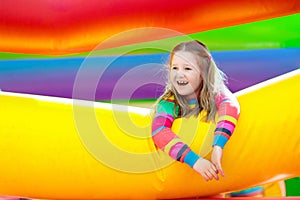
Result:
{"points": [[180, 73]]}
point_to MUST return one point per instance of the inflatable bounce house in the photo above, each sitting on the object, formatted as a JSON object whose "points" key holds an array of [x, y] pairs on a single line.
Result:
{"points": [[78, 78]]}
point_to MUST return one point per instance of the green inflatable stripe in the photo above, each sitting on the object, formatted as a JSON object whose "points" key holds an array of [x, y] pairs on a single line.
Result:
{"points": [[282, 32], [293, 186], [7, 56]]}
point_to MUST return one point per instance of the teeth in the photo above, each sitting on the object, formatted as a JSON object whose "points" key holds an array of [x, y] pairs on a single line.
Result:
{"points": [[182, 82]]}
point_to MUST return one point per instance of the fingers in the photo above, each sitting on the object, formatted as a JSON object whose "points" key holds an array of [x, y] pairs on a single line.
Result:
{"points": [[210, 173], [219, 169], [218, 166], [217, 158], [213, 167], [207, 169], [213, 174]]}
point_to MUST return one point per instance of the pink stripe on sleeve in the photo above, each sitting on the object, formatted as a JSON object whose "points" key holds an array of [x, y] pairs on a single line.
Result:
{"points": [[228, 126], [175, 149], [163, 137], [165, 115], [159, 122]]}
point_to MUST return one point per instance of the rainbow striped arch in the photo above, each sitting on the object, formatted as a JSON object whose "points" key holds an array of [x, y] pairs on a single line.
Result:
{"points": [[52, 52]]}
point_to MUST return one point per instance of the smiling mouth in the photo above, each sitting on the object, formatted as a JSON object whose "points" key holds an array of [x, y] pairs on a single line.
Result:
{"points": [[182, 83]]}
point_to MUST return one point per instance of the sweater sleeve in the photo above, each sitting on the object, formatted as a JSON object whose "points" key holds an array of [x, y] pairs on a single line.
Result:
{"points": [[228, 114], [167, 140]]}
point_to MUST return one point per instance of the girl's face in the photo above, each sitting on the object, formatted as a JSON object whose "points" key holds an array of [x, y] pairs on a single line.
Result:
{"points": [[185, 74]]}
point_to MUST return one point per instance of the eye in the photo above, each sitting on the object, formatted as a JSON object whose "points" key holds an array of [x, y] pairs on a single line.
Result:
{"points": [[174, 68], [188, 68]]}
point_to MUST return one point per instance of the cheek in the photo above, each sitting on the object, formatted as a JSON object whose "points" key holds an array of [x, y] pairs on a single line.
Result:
{"points": [[172, 75], [196, 79], [193, 75]]}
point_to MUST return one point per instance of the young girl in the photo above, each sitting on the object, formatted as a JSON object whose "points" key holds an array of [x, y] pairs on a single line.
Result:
{"points": [[195, 85]]}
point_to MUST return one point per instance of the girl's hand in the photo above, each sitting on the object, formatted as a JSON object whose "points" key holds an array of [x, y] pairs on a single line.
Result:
{"points": [[207, 170], [216, 159]]}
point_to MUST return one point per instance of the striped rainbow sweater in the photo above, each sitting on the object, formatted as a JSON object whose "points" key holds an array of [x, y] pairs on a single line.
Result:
{"points": [[169, 142]]}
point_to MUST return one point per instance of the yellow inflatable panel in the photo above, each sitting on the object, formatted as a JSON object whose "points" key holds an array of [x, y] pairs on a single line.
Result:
{"points": [[55, 148]]}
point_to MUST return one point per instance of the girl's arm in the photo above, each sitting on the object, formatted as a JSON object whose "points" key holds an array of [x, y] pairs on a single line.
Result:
{"points": [[170, 143], [228, 114], [167, 140]]}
